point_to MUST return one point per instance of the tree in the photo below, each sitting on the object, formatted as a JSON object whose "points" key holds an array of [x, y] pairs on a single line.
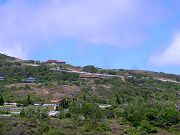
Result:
{"points": [[32, 112], [27, 87], [111, 72], [117, 99], [168, 117], [89, 111], [84, 97], [1, 100], [89, 68], [29, 101], [64, 103]]}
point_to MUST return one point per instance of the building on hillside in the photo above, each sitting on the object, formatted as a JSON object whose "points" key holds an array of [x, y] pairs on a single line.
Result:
{"points": [[53, 113], [1, 78], [38, 104], [50, 105], [90, 76], [54, 62], [30, 80], [10, 104], [60, 103], [55, 101]]}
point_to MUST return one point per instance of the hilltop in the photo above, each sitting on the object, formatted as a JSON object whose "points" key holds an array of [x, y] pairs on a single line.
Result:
{"points": [[5, 57], [6, 60]]}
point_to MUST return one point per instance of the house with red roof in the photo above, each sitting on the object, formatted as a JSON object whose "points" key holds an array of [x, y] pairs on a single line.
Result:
{"points": [[55, 101], [54, 62]]}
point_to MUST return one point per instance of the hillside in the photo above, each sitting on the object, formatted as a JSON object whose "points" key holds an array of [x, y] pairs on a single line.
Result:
{"points": [[155, 74], [133, 102], [4, 57]]}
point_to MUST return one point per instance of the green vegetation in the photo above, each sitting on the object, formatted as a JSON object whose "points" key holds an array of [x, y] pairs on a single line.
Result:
{"points": [[90, 69], [1, 100], [137, 105]]}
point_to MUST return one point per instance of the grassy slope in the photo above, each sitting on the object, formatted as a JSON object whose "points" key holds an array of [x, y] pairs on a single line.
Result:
{"points": [[98, 92]]}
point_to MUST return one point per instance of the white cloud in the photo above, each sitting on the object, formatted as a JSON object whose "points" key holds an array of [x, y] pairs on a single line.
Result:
{"points": [[170, 56], [33, 23], [16, 50]]}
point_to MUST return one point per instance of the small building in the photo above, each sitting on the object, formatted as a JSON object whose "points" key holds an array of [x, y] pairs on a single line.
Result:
{"points": [[10, 104], [30, 80], [54, 62], [1, 78], [60, 103], [55, 101], [50, 105], [90, 76], [104, 106], [38, 104], [53, 113]]}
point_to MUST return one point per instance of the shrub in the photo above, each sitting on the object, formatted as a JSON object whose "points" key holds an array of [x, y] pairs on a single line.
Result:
{"points": [[32, 112], [168, 117], [27, 87], [147, 126], [90, 68], [67, 115]]}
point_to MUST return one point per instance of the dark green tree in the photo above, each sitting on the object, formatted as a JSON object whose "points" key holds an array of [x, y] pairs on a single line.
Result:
{"points": [[90, 68], [29, 101], [84, 97], [64, 103], [1, 100], [117, 100]]}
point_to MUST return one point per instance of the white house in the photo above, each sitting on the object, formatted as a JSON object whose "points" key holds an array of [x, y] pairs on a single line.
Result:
{"points": [[53, 113], [1, 78]]}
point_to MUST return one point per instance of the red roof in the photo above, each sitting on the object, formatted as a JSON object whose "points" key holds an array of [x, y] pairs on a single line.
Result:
{"points": [[54, 61], [55, 101]]}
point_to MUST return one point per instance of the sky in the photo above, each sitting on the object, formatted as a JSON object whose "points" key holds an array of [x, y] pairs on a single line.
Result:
{"points": [[128, 34]]}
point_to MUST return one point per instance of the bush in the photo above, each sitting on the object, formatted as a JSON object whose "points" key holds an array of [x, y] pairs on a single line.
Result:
{"points": [[27, 87], [147, 126], [54, 131], [134, 113], [89, 68], [168, 117], [61, 115], [4, 112], [32, 112], [67, 115], [87, 110]]}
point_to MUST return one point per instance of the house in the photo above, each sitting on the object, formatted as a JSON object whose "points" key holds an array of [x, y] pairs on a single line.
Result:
{"points": [[60, 103], [55, 101], [38, 104], [30, 80], [50, 106], [53, 113], [1, 78], [54, 62], [90, 76], [104, 106], [10, 104]]}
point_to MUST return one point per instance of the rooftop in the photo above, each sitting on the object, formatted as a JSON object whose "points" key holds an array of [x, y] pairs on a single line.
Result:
{"points": [[55, 101], [89, 76], [54, 61]]}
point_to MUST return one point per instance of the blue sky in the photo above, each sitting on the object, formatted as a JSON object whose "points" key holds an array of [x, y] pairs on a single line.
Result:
{"points": [[129, 34]]}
